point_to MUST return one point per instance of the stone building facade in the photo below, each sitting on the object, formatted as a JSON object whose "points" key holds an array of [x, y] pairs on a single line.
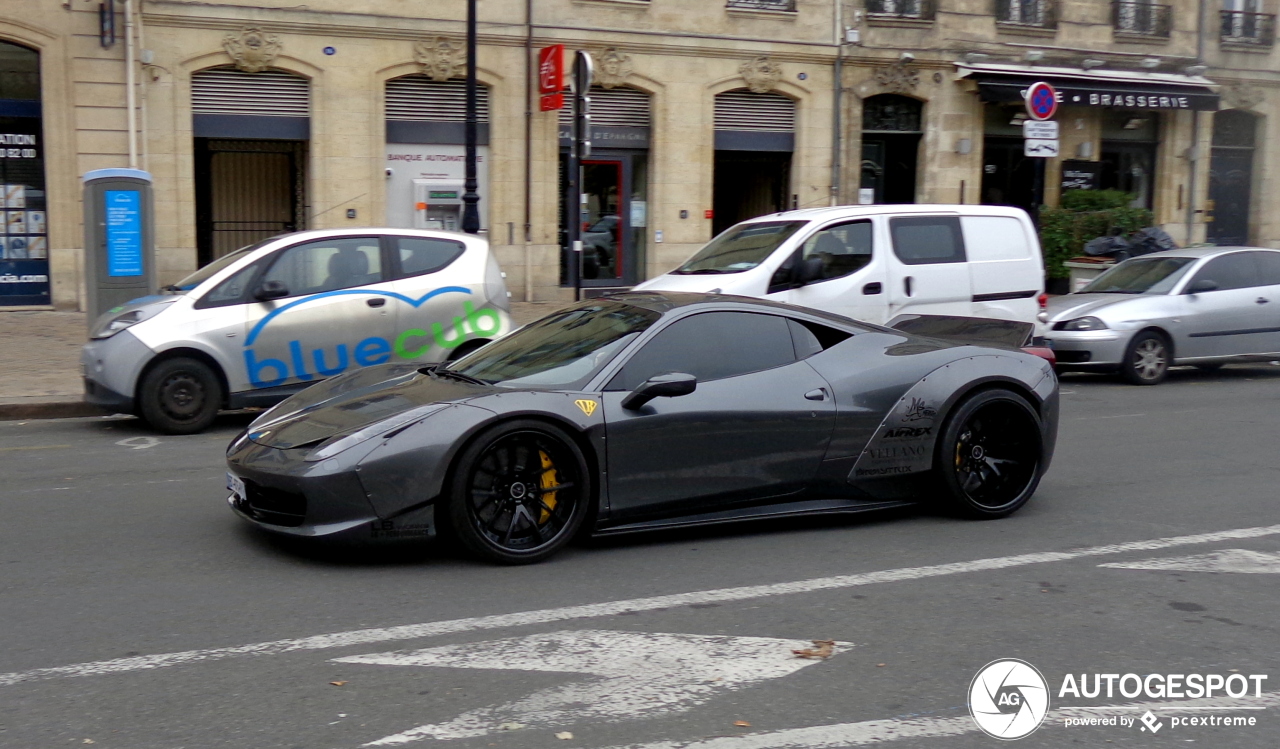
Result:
{"points": [[260, 117]]}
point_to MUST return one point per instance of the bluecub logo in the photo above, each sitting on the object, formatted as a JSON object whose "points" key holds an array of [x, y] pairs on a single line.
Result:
{"points": [[409, 344]]}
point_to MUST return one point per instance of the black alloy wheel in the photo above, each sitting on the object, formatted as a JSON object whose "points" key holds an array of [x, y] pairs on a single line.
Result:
{"points": [[180, 396], [520, 492], [1147, 359], [990, 453]]}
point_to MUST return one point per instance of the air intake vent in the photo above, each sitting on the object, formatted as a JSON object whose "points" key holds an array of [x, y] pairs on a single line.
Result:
{"points": [[741, 109], [417, 97], [271, 93]]}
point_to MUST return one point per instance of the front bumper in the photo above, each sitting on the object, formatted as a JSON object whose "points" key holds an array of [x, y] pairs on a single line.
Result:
{"points": [[111, 367], [1088, 349], [97, 394], [285, 494]]}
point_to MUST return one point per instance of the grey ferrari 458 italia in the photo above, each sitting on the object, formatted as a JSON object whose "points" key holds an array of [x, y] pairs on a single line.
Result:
{"points": [[649, 410]]}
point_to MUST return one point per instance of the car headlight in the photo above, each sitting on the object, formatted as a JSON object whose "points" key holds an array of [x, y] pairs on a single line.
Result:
{"points": [[109, 326], [1085, 323], [385, 428]]}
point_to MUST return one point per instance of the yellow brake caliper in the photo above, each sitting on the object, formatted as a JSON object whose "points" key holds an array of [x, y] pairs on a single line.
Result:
{"points": [[548, 481]]}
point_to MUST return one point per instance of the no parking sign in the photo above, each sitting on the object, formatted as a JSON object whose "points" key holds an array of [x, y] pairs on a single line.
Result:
{"points": [[1042, 101]]}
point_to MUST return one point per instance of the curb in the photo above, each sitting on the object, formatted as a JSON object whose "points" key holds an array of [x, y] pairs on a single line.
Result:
{"points": [[21, 409]]}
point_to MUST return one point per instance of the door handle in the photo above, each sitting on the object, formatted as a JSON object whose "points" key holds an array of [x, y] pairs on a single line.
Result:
{"points": [[906, 285], [376, 301], [816, 395], [871, 288], [1263, 300]]}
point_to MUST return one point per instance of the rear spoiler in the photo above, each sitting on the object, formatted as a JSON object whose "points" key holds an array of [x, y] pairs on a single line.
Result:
{"points": [[977, 331]]}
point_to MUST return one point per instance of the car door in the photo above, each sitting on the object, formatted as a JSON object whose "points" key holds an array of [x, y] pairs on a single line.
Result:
{"points": [[334, 316], [928, 273], [756, 427], [1268, 298], [1229, 320], [852, 280], [432, 317]]}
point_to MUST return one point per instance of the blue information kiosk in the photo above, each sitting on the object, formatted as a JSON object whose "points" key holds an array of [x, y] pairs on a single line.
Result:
{"points": [[118, 238]]}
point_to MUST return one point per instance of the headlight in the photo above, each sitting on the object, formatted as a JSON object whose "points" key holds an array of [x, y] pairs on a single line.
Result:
{"points": [[109, 326], [341, 442], [1085, 323]]}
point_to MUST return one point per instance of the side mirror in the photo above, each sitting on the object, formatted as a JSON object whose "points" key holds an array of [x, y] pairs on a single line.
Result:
{"points": [[810, 270], [270, 290], [1201, 286], [660, 386]]}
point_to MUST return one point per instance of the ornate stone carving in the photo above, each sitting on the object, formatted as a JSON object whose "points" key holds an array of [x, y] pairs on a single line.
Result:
{"points": [[761, 74], [1242, 96], [253, 49], [898, 78], [612, 67], [440, 58]]}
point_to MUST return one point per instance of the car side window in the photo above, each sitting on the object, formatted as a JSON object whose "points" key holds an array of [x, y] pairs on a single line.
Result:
{"points": [[711, 346], [327, 265], [927, 240], [234, 290], [1268, 267], [1234, 271], [843, 248], [421, 255]]}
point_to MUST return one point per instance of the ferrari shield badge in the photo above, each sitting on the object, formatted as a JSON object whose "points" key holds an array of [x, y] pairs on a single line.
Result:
{"points": [[588, 406]]}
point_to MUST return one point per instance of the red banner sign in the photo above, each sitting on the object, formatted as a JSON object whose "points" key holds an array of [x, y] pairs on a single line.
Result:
{"points": [[551, 69]]}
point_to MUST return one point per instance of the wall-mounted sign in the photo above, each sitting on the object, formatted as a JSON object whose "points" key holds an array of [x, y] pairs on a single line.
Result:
{"points": [[551, 77], [124, 233], [1080, 175]]}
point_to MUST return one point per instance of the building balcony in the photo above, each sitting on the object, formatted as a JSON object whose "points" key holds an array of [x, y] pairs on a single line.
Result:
{"points": [[918, 10], [780, 6], [1248, 29], [1034, 14], [1141, 19]]}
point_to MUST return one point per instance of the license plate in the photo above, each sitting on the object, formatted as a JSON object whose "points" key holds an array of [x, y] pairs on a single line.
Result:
{"points": [[236, 485]]}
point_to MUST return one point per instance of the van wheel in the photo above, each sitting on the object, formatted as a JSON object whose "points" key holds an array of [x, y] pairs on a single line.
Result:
{"points": [[1146, 360], [180, 396]]}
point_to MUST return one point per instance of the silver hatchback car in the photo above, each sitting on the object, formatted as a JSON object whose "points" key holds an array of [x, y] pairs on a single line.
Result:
{"points": [[1202, 306], [266, 321]]}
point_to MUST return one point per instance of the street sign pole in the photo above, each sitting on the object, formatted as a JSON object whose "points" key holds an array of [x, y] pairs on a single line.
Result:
{"points": [[470, 198], [579, 149], [1040, 135]]}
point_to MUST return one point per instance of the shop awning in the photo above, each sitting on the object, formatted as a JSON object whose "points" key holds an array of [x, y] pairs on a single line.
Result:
{"points": [[1097, 88]]}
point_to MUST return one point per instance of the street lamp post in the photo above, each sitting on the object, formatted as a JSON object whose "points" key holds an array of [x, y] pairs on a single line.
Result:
{"points": [[470, 199]]}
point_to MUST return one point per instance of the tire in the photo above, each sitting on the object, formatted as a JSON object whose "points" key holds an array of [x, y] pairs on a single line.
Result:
{"points": [[1212, 366], [988, 459], [180, 396], [1146, 359], [499, 506]]}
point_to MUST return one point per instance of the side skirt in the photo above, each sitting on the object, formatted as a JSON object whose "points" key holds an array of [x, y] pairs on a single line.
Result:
{"points": [[761, 512]]}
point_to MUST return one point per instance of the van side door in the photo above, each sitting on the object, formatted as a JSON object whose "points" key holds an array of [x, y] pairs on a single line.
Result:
{"points": [[852, 276], [1005, 272], [928, 271]]}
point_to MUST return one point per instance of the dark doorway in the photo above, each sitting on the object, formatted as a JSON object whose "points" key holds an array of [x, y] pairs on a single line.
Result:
{"points": [[891, 130], [613, 215], [1231, 176], [1008, 176], [749, 184], [246, 191], [1128, 154]]}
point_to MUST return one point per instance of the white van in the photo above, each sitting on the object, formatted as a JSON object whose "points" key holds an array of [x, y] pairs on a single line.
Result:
{"points": [[875, 263]]}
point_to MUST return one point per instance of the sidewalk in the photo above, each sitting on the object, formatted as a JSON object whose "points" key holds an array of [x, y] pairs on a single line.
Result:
{"points": [[40, 360]]}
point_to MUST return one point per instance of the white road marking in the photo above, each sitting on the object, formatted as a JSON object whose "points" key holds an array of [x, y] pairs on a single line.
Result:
{"points": [[138, 443], [645, 675], [611, 608], [842, 735], [1227, 560]]}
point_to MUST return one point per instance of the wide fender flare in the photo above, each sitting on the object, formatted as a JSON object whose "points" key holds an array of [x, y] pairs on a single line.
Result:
{"points": [[905, 440]]}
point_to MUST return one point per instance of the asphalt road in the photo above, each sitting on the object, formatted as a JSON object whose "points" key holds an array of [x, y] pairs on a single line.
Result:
{"points": [[136, 611]]}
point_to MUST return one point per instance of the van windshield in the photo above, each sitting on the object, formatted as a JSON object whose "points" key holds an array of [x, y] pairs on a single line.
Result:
{"points": [[740, 248]]}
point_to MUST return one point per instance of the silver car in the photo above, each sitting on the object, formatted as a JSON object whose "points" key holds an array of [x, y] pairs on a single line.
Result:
{"points": [[1202, 306], [262, 323]]}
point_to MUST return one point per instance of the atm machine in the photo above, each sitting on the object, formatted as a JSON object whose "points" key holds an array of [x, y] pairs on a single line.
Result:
{"points": [[438, 204]]}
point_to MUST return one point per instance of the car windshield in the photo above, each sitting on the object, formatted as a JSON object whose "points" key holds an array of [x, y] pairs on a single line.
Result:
{"points": [[740, 248], [561, 351], [1141, 275], [212, 269]]}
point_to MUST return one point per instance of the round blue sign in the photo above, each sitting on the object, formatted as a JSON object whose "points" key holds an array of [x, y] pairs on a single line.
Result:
{"points": [[330, 50], [1042, 101]]}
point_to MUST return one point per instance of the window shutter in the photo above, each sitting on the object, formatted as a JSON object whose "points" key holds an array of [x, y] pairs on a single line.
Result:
{"points": [[271, 93], [417, 97], [612, 107], [741, 109]]}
